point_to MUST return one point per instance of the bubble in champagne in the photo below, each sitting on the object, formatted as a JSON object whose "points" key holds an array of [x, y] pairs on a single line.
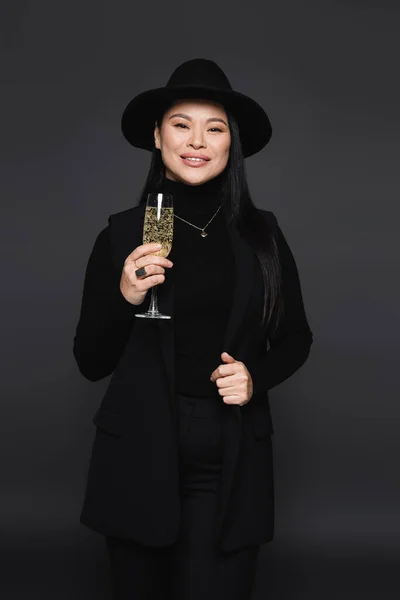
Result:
{"points": [[159, 231]]}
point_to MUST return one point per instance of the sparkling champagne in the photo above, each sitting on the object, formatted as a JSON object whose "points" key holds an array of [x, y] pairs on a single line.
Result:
{"points": [[159, 230], [158, 227]]}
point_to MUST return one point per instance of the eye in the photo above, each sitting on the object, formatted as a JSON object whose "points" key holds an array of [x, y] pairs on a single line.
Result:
{"points": [[180, 125], [216, 129]]}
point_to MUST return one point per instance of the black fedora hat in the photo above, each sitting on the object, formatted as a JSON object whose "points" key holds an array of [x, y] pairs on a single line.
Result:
{"points": [[196, 78]]}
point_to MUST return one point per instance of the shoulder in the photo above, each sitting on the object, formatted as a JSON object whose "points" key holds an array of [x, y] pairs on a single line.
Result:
{"points": [[119, 221], [125, 220], [269, 216], [128, 214], [282, 244]]}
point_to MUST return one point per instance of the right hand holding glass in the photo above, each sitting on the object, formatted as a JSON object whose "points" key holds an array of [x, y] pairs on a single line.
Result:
{"points": [[134, 288]]}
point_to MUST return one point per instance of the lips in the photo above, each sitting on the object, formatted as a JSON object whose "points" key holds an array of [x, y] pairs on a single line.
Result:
{"points": [[195, 160], [195, 157]]}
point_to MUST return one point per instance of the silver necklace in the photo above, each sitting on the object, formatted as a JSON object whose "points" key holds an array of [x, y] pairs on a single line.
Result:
{"points": [[202, 229]]}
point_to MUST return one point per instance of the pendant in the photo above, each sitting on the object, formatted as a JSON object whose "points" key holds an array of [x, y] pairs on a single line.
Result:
{"points": [[204, 234]]}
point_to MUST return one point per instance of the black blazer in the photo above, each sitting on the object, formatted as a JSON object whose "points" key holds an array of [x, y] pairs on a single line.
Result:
{"points": [[133, 481]]}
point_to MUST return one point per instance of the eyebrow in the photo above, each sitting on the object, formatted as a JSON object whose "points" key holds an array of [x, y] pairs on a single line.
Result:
{"points": [[190, 118]]}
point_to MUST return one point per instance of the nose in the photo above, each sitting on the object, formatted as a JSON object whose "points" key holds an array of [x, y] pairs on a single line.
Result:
{"points": [[197, 139]]}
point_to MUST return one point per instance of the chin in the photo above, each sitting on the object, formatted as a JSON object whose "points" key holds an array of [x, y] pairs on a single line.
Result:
{"points": [[197, 180], [194, 177]]}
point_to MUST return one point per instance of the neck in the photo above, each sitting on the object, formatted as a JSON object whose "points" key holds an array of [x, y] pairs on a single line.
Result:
{"points": [[194, 199]]}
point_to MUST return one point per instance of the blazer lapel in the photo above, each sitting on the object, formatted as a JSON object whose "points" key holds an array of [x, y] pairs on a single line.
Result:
{"points": [[166, 330], [244, 271]]}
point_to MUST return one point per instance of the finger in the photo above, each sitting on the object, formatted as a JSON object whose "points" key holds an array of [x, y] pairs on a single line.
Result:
{"points": [[148, 282], [230, 380], [227, 357], [233, 399], [215, 375], [151, 259], [149, 270], [230, 390], [226, 370], [143, 250]]}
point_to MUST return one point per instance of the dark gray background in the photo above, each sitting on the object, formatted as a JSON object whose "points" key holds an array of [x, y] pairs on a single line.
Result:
{"points": [[327, 74]]}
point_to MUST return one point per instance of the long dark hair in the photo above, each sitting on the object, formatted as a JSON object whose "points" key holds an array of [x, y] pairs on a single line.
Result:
{"points": [[244, 215]]}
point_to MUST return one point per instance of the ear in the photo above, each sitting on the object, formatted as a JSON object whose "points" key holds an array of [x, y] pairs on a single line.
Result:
{"points": [[157, 136]]}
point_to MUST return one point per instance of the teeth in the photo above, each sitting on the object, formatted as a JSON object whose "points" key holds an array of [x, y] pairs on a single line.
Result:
{"points": [[195, 159]]}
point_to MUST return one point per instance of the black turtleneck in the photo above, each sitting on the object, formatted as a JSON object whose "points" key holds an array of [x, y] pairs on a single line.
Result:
{"points": [[203, 275]]}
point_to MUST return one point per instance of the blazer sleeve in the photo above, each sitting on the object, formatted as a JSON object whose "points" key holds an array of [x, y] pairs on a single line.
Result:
{"points": [[290, 345], [106, 318]]}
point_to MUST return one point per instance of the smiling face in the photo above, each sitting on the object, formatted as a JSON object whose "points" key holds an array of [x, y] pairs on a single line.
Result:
{"points": [[194, 140]]}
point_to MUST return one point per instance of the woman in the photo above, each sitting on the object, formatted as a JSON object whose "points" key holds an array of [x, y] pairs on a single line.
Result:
{"points": [[181, 478]]}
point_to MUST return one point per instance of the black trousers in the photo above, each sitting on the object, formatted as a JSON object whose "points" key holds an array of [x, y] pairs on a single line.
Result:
{"points": [[192, 568]]}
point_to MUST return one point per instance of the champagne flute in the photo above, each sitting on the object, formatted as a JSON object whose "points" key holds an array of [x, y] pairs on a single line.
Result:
{"points": [[158, 228]]}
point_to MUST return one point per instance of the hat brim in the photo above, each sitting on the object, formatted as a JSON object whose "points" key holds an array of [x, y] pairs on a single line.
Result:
{"points": [[138, 118]]}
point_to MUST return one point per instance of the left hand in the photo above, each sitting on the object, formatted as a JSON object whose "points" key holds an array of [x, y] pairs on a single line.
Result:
{"points": [[234, 381]]}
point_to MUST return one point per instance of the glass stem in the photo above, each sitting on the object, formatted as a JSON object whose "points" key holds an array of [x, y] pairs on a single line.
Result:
{"points": [[153, 308]]}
